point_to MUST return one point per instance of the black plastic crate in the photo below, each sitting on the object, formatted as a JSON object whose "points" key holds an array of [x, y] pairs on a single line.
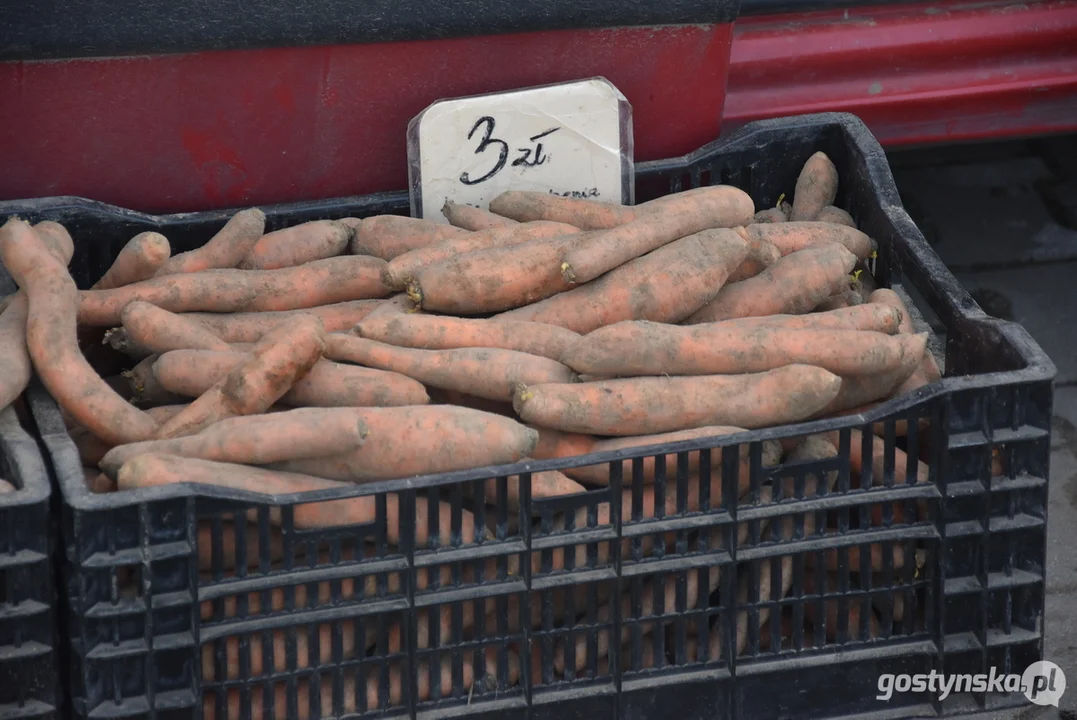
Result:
{"points": [[29, 662], [452, 596]]}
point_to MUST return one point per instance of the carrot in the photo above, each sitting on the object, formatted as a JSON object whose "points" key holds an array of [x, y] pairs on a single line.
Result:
{"points": [[871, 316], [322, 282], [16, 366], [57, 239], [646, 348], [403, 268], [598, 475], [666, 285], [678, 216], [793, 237], [409, 441], [249, 327], [526, 206], [230, 560], [143, 387], [483, 372], [159, 331], [153, 470], [258, 439], [387, 236], [492, 280], [139, 260], [864, 388], [97, 482], [557, 444], [284, 355], [641, 406], [836, 216], [328, 384], [446, 333], [91, 448], [770, 215], [473, 218], [51, 338], [817, 186], [546, 484], [796, 284], [831, 560], [840, 301], [761, 255], [6, 487], [929, 369], [226, 249], [297, 245]]}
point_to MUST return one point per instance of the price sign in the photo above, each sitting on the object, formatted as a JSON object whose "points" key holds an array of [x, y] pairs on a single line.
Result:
{"points": [[572, 139]]}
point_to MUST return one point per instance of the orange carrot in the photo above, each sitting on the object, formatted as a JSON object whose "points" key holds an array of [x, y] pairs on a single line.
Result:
{"points": [[473, 218], [817, 186], [836, 216], [546, 484], [159, 331], [249, 327], [796, 284], [435, 332], [483, 372], [297, 245], [333, 280], [666, 285], [525, 206], [761, 255], [677, 216], [51, 338], [867, 387], [492, 280], [97, 482], [871, 316], [404, 268], [386, 236], [792, 237], [143, 387], [840, 301], [141, 258], [929, 370], [154, 470], [328, 384], [284, 355], [91, 449], [258, 439], [57, 239], [226, 249], [409, 441], [557, 444], [771, 215], [645, 348], [642, 406]]}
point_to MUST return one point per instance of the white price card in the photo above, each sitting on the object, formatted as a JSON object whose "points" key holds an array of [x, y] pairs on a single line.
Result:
{"points": [[572, 139]]}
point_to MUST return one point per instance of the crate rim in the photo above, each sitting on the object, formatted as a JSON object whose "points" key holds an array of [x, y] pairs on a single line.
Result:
{"points": [[1038, 367]]}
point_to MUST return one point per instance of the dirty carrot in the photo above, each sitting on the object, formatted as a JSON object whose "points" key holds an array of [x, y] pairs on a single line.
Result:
{"points": [[257, 439], [249, 327], [929, 370], [840, 301], [328, 384], [403, 268], [297, 245], [557, 444], [666, 285], [863, 388], [483, 372], [525, 206], [226, 249], [288, 353], [761, 255], [159, 331], [322, 282], [409, 441], [836, 216], [57, 239], [387, 236], [140, 259], [51, 338], [646, 405], [438, 332], [644, 348], [817, 186], [473, 218], [870, 316], [719, 206], [792, 237], [493, 280], [794, 285]]}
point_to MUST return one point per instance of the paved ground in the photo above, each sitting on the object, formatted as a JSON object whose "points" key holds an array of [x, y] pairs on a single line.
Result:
{"points": [[1004, 218]]}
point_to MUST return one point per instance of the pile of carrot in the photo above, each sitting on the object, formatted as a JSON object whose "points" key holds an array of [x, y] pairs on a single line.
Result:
{"points": [[357, 350]]}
